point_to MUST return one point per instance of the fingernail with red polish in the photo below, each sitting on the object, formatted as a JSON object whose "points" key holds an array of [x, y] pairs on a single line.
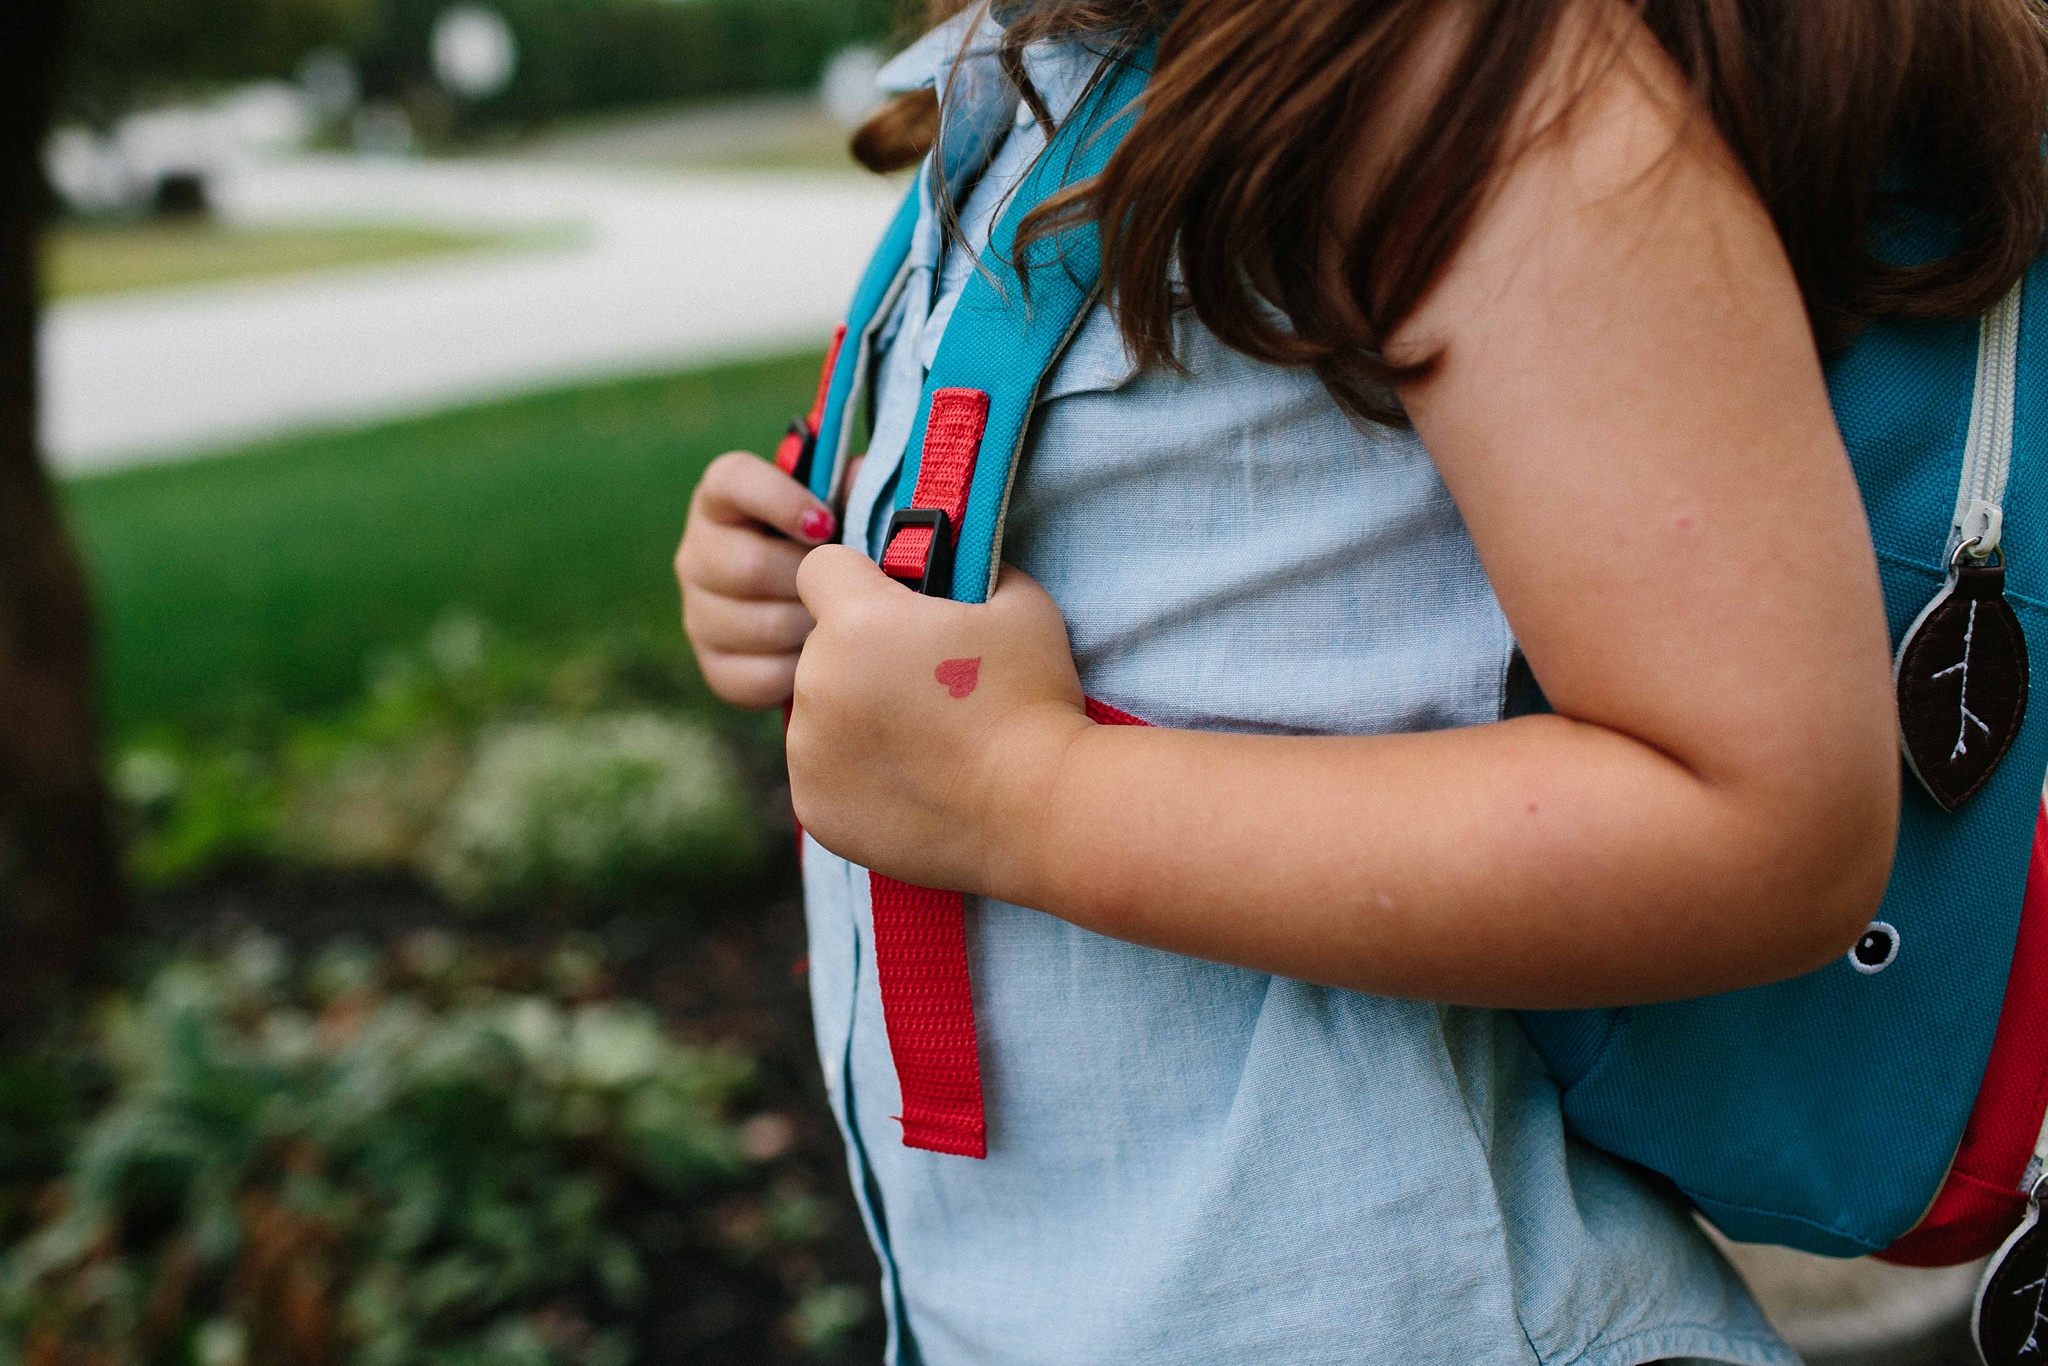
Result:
{"points": [[816, 524]]}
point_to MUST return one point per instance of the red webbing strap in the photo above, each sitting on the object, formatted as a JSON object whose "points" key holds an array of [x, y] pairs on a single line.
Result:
{"points": [[928, 1003], [921, 960], [789, 452], [920, 933], [952, 441]]}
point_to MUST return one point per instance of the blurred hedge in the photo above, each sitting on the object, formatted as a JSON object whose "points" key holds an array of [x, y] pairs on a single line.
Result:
{"points": [[577, 55], [127, 52], [574, 55]]}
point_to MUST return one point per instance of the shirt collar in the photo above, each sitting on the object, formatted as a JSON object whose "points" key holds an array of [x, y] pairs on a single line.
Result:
{"points": [[925, 61], [959, 58], [978, 105]]}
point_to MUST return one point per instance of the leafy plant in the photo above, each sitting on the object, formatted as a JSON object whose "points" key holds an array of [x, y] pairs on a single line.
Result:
{"points": [[199, 808], [504, 776], [390, 1162], [598, 806]]}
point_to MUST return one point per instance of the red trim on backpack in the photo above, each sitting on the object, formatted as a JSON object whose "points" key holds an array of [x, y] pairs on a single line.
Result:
{"points": [[928, 1002], [1981, 1202], [789, 452], [1102, 714]]}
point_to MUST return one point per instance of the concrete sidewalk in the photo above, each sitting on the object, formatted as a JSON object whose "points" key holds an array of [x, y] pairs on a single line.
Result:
{"points": [[658, 270]]}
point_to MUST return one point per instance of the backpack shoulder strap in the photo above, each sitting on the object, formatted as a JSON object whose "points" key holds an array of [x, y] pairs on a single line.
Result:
{"points": [[1004, 336], [847, 368]]}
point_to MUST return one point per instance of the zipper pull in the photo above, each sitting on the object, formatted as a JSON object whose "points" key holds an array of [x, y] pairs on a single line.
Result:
{"points": [[1982, 523], [1961, 678]]}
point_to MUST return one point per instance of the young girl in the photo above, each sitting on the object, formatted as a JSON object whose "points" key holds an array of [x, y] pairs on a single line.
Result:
{"points": [[1446, 341]]}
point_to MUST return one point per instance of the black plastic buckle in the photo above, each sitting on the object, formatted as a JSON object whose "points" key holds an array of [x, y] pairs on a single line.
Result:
{"points": [[936, 581], [807, 446]]}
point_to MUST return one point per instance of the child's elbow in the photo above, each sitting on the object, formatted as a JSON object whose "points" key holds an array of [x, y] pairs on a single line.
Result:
{"points": [[1833, 842]]}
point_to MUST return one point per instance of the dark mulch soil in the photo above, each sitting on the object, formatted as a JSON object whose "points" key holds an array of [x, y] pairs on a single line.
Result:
{"points": [[729, 972]]}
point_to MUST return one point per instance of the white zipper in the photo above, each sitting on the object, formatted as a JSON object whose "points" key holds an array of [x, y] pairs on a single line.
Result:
{"points": [[1987, 452], [1980, 500]]}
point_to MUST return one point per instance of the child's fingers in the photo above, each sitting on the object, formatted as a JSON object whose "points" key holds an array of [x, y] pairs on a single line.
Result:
{"points": [[833, 578], [742, 562], [745, 628], [749, 680], [739, 488]]}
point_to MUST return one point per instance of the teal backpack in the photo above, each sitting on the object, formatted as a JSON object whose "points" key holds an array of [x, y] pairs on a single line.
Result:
{"points": [[1828, 1112]]}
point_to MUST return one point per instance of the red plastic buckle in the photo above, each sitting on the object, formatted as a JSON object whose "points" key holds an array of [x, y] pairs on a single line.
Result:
{"points": [[923, 560], [793, 453]]}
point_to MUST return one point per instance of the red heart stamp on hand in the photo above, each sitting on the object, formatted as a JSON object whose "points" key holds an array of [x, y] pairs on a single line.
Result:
{"points": [[959, 675]]}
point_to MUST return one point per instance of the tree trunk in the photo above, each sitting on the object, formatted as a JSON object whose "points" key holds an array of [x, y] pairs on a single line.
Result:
{"points": [[59, 891]]}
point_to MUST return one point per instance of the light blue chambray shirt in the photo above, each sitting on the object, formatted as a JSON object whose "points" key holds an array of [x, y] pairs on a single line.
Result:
{"points": [[1188, 1162]]}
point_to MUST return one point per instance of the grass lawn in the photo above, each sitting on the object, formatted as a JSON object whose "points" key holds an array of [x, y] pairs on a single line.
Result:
{"points": [[268, 577], [82, 259]]}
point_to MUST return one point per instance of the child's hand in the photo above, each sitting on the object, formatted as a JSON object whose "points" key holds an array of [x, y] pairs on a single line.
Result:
{"points": [[738, 577], [925, 731]]}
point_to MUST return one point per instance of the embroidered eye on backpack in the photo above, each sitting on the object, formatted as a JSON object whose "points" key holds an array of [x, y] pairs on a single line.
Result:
{"points": [[1891, 1103]]}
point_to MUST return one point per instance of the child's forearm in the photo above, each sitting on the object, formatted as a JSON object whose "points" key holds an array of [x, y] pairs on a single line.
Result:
{"points": [[1540, 862]]}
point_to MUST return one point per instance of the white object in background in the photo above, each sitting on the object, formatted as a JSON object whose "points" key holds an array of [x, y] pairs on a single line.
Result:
{"points": [[847, 88], [86, 171], [475, 54], [328, 80], [96, 174], [181, 140], [262, 119]]}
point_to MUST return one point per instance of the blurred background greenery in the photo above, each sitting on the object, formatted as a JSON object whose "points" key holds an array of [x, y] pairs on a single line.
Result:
{"points": [[459, 1014], [575, 56], [409, 757]]}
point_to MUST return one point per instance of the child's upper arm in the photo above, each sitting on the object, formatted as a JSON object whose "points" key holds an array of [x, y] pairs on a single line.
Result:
{"points": [[1630, 411]]}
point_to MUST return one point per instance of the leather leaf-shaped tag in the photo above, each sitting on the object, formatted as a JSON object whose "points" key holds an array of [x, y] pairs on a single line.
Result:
{"points": [[2010, 1321], [1962, 684]]}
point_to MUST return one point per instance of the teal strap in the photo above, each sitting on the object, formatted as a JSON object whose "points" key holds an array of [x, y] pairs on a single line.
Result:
{"points": [[1002, 339], [868, 297]]}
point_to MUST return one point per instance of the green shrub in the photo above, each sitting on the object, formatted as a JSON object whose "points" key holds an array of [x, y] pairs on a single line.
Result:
{"points": [[503, 776], [595, 807], [206, 808], [402, 1163]]}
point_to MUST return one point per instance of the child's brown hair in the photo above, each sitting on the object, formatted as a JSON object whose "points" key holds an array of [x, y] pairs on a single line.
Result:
{"points": [[1835, 109]]}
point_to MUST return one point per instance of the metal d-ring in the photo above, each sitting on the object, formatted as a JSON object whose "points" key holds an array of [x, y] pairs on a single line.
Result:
{"points": [[1955, 557]]}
